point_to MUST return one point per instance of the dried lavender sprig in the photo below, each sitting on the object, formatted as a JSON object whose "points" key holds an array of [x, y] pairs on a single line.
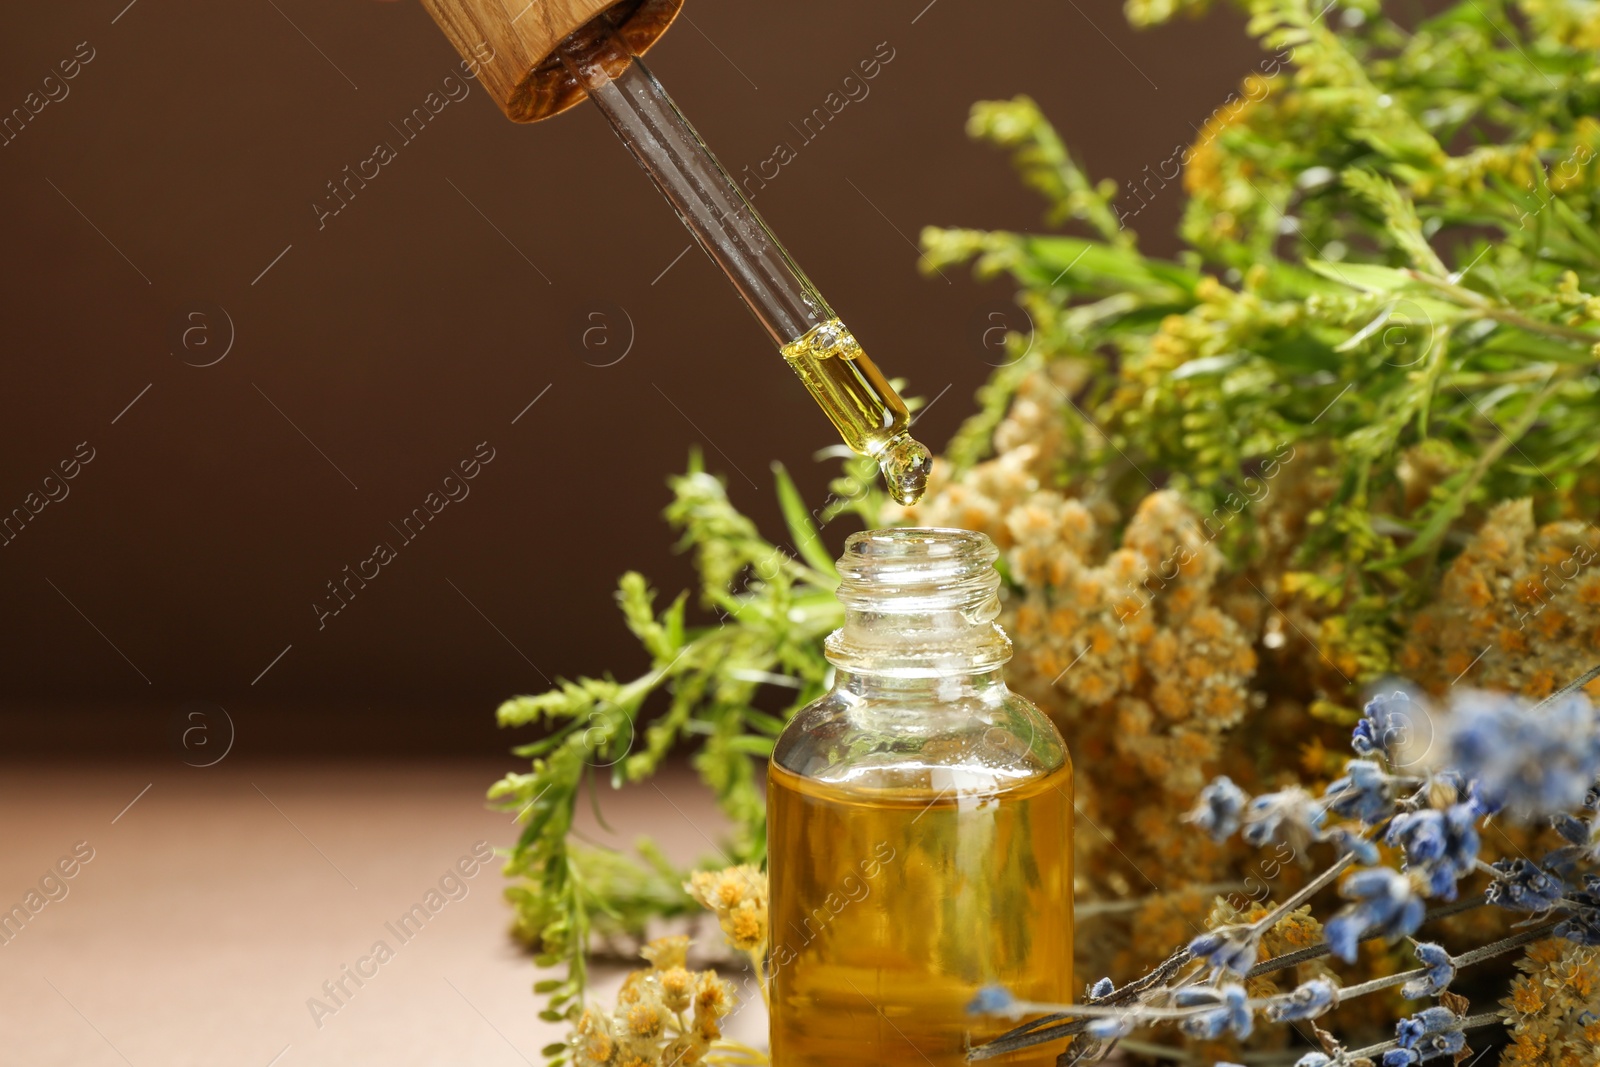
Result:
{"points": [[1466, 959], [1040, 1031], [1164, 970], [1316, 952], [1469, 1022], [1087, 1012]]}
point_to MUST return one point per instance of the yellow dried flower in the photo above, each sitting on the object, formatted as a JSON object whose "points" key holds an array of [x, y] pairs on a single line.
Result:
{"points": [[665, 953], [1517, 610], [687, 1050], [1547, 1004], [591, 1039], [738, 898], [713, 995], [677, 988], [713, 999], [648, 1028], [646, 1020]]}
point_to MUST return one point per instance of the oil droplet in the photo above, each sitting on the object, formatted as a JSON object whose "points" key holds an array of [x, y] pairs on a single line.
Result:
{"points": [[905, 463]]}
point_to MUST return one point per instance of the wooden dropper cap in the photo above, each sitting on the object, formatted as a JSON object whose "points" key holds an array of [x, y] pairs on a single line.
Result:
{"points": [[512, 44]]}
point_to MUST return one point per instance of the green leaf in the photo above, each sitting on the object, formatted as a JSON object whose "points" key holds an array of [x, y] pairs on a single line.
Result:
{"points": [[1367, 277], [751, 746], [802, 531]]}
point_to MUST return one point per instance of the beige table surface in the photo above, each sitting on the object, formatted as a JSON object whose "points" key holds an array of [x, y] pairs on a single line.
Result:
{"points": [[222, 898]]}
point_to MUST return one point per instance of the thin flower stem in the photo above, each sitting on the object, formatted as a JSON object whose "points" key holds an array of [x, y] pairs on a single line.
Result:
{"points": [[1111, 1011], [1168, 967], [1500, 313], [1466, 959], [1381, 983], [761, 978], [1522, 322], [1571, 687], [1113, 906], [730, 1052], [1527, 937], [1311, 888], [1469, 1023]]}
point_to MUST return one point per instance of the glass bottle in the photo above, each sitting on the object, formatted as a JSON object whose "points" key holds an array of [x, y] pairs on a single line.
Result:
{"points": [[919, 822]]}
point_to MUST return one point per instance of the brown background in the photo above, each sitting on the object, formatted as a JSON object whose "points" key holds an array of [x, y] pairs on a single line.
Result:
{"points": [[409, 329]]}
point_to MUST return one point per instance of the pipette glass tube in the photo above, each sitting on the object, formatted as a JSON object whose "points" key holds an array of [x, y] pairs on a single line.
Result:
{"points": [[862, 405]]}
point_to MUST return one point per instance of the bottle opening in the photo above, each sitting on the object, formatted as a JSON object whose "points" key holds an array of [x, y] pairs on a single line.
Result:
{"points": [[919, 602]]}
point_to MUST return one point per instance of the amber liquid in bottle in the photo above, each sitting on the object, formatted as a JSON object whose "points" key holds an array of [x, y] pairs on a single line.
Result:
{"points": [[895, 907]]}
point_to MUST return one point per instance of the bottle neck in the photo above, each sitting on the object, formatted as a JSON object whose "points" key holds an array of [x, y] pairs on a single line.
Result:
{"points": [[889, 691], [919, 604]]}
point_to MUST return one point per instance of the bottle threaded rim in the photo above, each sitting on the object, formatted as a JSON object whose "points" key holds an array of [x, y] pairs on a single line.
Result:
{"points": [[885, 567], [919, 601]]}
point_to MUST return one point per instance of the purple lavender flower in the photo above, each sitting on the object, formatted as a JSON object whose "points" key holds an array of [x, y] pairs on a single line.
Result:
{"points": [[1290, 815], [1102, 989], [1582, 929], [1441, 845], [1535, 761], [1585, 847], [1306, 1001], [1384, 904], [992, 1000], [1424, 1036], [1218, 807], [1363, 793], [1571, 828], [1432, 1047], [1232, 948], [1385, 725], [1524, 886], [1411, 1030], [1347, 842], [1584, 925], [1230, 1011], [1441, 970]]}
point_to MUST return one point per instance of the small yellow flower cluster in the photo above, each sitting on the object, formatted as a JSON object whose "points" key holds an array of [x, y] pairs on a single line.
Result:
{"points": [[1554, 1007], [1575, 23], [738, 898], [1217, 178], [1518, 609], [1033, 420], [665, 1016], [1129, 652], [1519, 164], [1585, 306]]}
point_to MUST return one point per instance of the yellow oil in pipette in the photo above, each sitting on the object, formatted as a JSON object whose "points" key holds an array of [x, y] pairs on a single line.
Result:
{"points": [[862, 406]]}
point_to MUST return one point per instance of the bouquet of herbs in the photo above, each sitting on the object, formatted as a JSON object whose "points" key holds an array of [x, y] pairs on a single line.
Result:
{"points": [[1345, 436]]}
